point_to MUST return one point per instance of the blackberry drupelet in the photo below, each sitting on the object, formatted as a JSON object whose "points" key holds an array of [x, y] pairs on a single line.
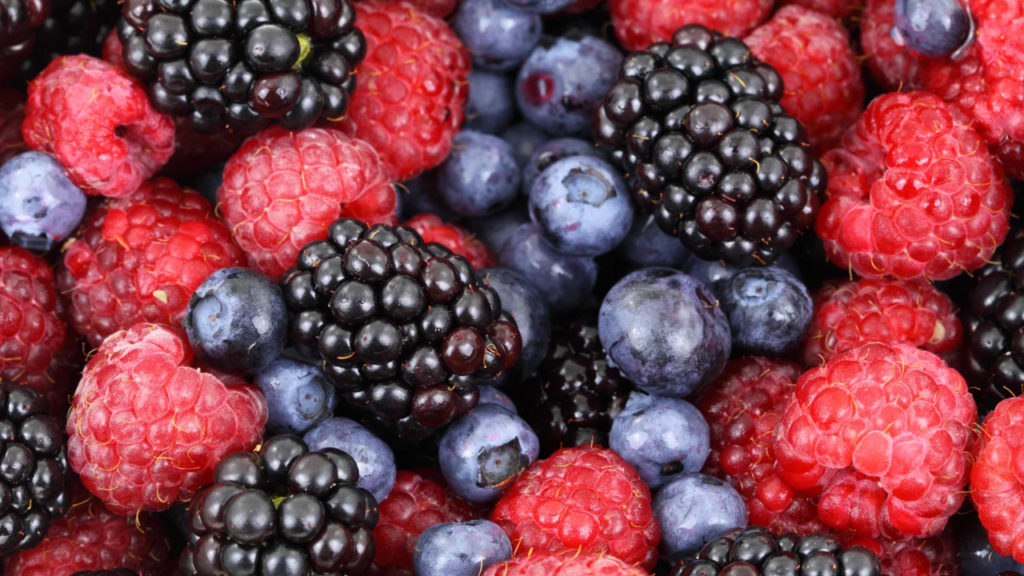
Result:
{"points": [[698, 126], [575, 394], [74, 27], [282, 511], [242, 65], [756, 551], [114, 572], [403, 329], [35, 485], [19, 20]]}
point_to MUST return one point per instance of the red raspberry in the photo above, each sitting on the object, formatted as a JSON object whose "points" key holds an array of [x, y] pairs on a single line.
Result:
{"points": [[824, 89], [111, 50], [881, 434], [98, 123], [436, 8], [585, 499], [913, 192], [453, 237], [146, 428], [894, 67], [742, 408], [842, 9], [566, 563], [90, 537], [848, 314], [138, 259], [412, 88], [933, 556], [640, 23], [997, 481], [12, 114]]}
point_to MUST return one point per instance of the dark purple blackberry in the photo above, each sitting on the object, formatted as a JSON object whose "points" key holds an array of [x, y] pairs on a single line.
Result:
{"points": [[403, 329], [697, 126], [575, 394], [756, 551], [282, 511], [114, 572], [19, 20], [241, 65]]}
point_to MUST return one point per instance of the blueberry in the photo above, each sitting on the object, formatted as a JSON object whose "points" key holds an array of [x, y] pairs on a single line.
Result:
{"points": [[480, 177], [419, 196], [38, 204], [494, 231], [977, 558], [482, 452], [694, 510], [932, 28], [768, 310], [460, 548], [565, 282], [561, 83], [716, 275], [660, 437], [237, 321], [298, 396], [646, 246], [552, 151], [582, 205], [665, 332], [524, 138], [498, 35], [542, 6], [521, 300], [373, 457], [490, 107], [491, 395]]}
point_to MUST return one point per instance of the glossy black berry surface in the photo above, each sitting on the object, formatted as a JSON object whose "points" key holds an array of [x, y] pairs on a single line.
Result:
{"points": [[697, 126]]}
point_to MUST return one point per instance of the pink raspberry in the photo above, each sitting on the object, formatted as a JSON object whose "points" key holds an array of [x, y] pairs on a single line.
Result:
{"points": [[640, 23], [842, 9], [567, 563], [997, 480]]}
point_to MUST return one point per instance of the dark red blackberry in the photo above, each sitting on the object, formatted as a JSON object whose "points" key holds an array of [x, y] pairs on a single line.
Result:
{"points": [[114, 572], [240, 65], [756, 551], [284, 510], [698, 127], [403, 328], [575, 394], [18, 22]]}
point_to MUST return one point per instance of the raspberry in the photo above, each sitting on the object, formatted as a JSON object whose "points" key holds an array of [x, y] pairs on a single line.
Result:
{"points": [[842, 9], [850, 313], [585, 500], [820, 72], [12, 114], [566, 563], [146, 428], [881, 434], [436, 8], [282, 190], [933, 556], [412, 88], [453, 237], [742, 408], [639, 23], [90, 537], [138, 259], [996, 480], [414, 504], [99, 125], [950, 219], [894, 67]]}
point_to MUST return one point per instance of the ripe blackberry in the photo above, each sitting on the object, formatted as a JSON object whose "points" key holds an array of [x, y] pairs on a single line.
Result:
{"points": [[241, 65], [712, 154], [35, 487], [404, 329], [575, 395], [283, 510], [755, 551], [74, 27]]}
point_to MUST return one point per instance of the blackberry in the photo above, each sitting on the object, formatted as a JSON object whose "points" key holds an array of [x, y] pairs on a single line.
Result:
{"points": [[74, 27], [756, 551], [575, 394], [284, 510], [18, 22], [114, 572], [698, 127], [403, 329], [242, 65]]}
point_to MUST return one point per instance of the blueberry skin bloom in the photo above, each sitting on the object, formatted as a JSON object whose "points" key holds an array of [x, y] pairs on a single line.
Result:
{"points": [[460, 548], [484, 451], [565, 282], [498, 35], [490, 107], [694, 510], [533, 318], [237, 321], [495, 231], [491, 395], [665, 332], [542, 6], [554, 150], [373, 457], [660, 437], [524, 138], [480, 177], [768, 309], [38, 204], [298, 396], [646, 245], [582, 204], [716, 275], [932, 28]]}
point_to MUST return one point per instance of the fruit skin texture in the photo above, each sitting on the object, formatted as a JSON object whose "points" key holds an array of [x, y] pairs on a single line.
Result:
{"points": [[565, 563], [881, 433], [696, 509], [461, 548], [453, 237], [98, 123], [282, 190], [146, 428], [409, 100], [933, 556], [996, 488], [952, 221], [12, 114], [850, 313], [139, 259], [812, 52], [841, 9], [585, 500], [639, 23]]}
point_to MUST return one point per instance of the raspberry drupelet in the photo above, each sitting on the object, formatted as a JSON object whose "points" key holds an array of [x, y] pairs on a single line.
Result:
{"points": [[996, 487], [565, 563], [453, 237], [642, 22]]}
